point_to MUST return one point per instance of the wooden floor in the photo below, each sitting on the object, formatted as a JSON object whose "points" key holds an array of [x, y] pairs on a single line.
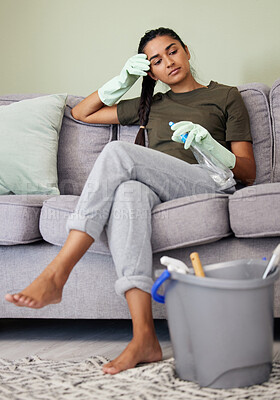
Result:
{"points": [[71, 339], [79, 339]]}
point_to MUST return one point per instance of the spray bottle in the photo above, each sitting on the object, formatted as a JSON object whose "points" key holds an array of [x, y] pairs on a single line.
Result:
{"points": [[220, 173]]}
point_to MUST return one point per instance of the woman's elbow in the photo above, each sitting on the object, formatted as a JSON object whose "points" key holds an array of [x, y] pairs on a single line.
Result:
{"points": [[75, 114], [252, 172], [250, 179], [245, 170]]}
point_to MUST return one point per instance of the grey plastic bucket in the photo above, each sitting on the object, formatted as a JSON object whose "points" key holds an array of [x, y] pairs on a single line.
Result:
{"points": [[221, 325]]}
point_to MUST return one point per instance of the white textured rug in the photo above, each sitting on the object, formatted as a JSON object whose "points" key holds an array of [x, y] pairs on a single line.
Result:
{"points": [[33, 378]]}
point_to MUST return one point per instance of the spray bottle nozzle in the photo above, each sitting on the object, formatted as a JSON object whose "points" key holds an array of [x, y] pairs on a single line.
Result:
{"points": [[183, 136], [173, 264]]}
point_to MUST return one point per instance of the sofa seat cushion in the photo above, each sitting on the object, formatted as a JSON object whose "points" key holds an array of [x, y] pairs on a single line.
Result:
{"points": [[53, 219], [255, 211], [175, 223], [19, 218], [189, 221]]}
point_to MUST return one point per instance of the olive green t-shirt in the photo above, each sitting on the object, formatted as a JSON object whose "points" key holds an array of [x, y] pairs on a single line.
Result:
{"points": [[218, 108]]}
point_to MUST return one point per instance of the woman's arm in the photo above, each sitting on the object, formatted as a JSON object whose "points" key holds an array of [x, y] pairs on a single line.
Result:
{"points": [[245, 166], [93, 111], [240, 159], [100, 107]]}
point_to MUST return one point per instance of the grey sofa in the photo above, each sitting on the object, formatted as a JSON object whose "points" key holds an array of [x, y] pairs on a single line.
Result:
{"points": [[219, 227]]}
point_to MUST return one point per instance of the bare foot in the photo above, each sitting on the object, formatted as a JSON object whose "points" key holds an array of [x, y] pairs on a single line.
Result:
{"points": [[44, 290], [141, 350]]}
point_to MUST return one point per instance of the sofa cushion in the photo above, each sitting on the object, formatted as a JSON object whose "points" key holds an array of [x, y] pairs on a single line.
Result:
{"points": [[174, 222], [29, 131], [79, 145], [274, 98], [255, 211], [128, 133], [191, 220], [255, 96], [53, 219], [19, 218]]}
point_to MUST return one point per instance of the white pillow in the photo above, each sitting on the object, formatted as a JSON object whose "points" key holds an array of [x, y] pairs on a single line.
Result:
{"points": [[29, 132]]}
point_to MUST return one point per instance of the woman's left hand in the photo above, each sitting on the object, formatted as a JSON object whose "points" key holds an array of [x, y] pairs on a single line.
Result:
{"points": [[195, 132], [203, 140]]}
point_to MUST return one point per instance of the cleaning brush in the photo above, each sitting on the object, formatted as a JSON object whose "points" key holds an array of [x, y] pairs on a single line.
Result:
{"points": [[273, 261]]}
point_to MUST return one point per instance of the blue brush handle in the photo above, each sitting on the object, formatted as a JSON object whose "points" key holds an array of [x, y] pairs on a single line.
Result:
{"points": [[163, 277]]}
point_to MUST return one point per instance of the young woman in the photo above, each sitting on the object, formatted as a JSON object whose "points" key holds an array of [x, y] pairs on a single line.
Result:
{"points": [[137, 178]]}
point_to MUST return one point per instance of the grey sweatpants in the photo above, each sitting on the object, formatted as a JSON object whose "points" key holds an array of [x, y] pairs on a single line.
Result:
{"points": [[125, 184]]}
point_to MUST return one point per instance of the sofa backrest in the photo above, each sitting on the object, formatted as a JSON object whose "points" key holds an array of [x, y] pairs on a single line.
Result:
{"points": [[81, 143], [255, 96], [128, 133], [79, 146], [274, 98]]}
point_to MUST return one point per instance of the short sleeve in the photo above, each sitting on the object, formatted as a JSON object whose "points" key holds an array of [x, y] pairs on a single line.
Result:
{"points": [[237, 118], [127, 111]]}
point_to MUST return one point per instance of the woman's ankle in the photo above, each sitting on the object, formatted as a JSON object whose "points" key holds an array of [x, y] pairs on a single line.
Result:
{"points": [[58, 273], [145, 332]]}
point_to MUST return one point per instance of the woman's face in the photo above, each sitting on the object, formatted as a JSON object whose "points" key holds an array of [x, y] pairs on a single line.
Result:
{"points": [[169, 60]]}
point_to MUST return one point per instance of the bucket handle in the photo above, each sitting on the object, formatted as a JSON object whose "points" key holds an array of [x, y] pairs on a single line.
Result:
{"points": [[163, 277]]}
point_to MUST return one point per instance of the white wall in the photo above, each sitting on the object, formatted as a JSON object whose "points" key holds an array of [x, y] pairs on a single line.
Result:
{"points": [[73, 46]]}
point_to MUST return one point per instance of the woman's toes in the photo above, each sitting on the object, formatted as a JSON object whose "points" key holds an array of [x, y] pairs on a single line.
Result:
{"points": [[16, 297], [22, 299], [106, 366], [9, 298], [110, 369], [32, 304]]}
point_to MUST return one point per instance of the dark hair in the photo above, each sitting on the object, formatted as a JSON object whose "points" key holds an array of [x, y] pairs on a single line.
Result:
{"points": [[148, 83]]}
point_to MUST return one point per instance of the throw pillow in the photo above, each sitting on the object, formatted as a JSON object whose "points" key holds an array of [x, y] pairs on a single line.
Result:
{"points": [[29, 132]]}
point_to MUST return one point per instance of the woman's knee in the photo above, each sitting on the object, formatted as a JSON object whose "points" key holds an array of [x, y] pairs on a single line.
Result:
{"points": [[138, 193], [116, 146], [129, 191]]}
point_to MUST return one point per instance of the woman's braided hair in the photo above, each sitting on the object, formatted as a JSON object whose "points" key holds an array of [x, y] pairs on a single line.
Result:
{"points": [[148, 83]]}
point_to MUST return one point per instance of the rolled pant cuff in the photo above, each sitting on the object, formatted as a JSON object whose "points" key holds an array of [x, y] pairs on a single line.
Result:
{"points": [[126, 283], [84, 224]]}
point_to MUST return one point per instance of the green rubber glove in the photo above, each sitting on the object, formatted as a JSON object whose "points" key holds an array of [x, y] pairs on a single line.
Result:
{"points": [[201, 138], [113, 90]]}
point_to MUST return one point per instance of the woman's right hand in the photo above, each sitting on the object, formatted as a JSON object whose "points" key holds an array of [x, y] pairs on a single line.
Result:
{"points": [[113, 90], [135, 66]]}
